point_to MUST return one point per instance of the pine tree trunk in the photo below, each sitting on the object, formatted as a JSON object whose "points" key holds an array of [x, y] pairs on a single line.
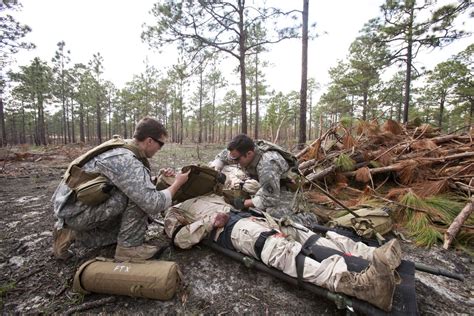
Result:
{"points": [[304, 78], [213, 132], [73, 131], [41, 122], [124, 122], [242, 51], [99, 125], [82, 135], [64, 118], [200, 107], [23, 124], [441, 110], [406, 101], [88, 130], [3, 139]]}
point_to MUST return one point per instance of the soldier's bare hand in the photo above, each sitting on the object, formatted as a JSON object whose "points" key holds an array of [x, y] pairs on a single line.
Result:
{"points": [[181, 178], [220, 220], [168, 172]]}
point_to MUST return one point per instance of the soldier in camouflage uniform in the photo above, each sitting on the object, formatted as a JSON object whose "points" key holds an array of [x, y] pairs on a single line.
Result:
{"points": [[278, 244], [123, 217], [268, 168]]}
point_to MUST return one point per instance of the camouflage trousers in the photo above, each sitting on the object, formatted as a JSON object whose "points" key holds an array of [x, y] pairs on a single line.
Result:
{"points": [[117, 220], [286, 208]]}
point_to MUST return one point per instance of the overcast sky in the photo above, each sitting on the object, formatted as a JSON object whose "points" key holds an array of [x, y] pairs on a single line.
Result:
{"points": [[113, 28]]}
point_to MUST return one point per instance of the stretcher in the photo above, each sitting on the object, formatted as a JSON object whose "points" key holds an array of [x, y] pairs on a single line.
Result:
{"points": [[404, 300]]}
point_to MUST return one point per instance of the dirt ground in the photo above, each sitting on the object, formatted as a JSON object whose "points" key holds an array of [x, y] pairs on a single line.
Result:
{"points": [[32, 281]]}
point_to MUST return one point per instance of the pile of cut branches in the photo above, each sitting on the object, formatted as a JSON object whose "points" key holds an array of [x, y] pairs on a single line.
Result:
{"points": [[425, 176]]}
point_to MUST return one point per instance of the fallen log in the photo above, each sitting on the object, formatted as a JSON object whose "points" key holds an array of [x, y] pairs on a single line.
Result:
{"points": [[321, 174], [462, 187], [455, 226], [307, 164], [394, 167], [447, 138]]}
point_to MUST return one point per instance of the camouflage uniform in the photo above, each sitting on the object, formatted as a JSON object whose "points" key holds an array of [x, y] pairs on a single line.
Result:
{"points": [[191, 221], [123, 218], [268, 168]]}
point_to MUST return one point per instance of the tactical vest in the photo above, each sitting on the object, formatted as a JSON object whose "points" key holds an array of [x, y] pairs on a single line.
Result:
{"points": [[92, 188]]}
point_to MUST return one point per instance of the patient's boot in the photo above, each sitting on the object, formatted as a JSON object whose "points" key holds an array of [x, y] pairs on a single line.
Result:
{"points": [[62, 240], [375, 285], [392, 253]]}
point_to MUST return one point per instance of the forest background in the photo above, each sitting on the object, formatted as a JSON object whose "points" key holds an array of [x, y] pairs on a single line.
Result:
{"points": [[217, 84]]}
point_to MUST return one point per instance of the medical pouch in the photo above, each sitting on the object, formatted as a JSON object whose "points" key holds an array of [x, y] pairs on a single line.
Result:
{"points": [[94, 192]]}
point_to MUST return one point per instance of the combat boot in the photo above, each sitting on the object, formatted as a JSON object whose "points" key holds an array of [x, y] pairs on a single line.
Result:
{"points": [[62, 240], [137, 253], [375, 285], [392, 253]]}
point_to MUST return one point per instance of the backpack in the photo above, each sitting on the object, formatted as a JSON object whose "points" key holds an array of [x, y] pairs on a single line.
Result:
{"points": [[364, 225], [265, 146], [202, 180]]}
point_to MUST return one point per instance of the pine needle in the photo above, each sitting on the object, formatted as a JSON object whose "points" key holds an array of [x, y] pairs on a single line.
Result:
{"points": [[374, 164], [438, 213], [385, 159], [396, 193], [408, 171], [431, 188], [418, 223], [363, 175], [423, 144], [344, 163], [448, 207], [392, 127], [340, 178], [348, 141]]}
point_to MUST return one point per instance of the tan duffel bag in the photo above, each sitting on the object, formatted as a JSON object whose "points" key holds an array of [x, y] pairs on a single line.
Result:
{"points": [[155, 279]]}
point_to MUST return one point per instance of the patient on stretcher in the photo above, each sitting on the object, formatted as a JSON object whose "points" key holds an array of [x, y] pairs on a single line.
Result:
{"points": [[277, 244]]}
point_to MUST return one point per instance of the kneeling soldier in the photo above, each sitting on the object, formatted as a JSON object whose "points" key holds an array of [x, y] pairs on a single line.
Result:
{"points": [[107, 195]]}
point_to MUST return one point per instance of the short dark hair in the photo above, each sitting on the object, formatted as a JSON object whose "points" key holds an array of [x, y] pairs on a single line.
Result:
{"points": [[242, 143], [149, 127]]}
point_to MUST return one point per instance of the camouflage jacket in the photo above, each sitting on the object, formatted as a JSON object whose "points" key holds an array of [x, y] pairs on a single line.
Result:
{"points": [[127, 174], [268, 168]]}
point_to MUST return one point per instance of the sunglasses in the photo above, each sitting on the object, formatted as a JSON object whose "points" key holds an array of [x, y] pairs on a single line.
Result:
{"points": [[236, 158], [158, 141]]}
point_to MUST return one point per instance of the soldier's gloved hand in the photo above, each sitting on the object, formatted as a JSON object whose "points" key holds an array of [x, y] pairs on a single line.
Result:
{"points": [[238, 203], [221, 178], [286, 221]]}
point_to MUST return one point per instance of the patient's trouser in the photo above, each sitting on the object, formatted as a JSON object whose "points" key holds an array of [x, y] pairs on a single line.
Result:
{"points": [[280, 253]]}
